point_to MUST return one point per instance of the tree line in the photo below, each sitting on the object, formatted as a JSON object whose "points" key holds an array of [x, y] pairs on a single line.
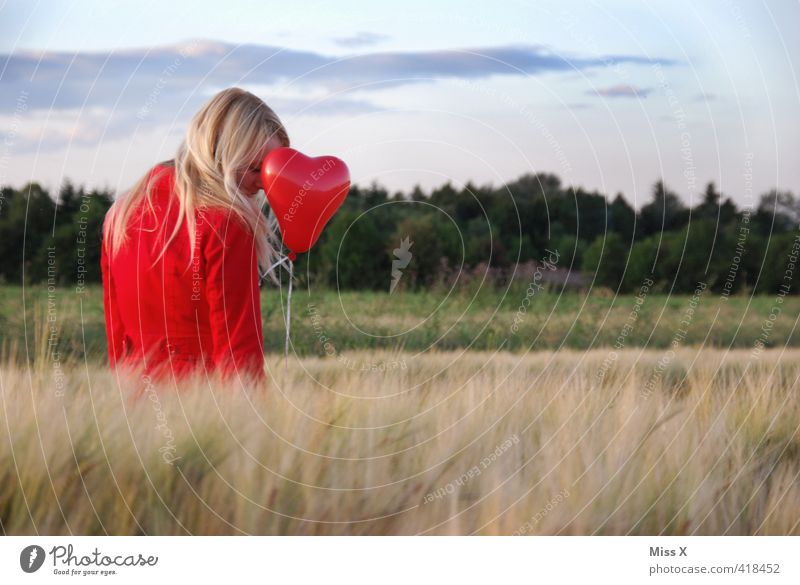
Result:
{"points": [[56, 239]]}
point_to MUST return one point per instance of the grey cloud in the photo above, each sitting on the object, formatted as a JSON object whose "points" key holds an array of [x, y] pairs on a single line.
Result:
{"points": [[621, 91], [704, 97], [106, 95], [130, 78], [361, 39]]}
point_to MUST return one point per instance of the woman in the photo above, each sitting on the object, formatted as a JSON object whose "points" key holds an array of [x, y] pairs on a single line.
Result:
{"points": [[181, 250]]}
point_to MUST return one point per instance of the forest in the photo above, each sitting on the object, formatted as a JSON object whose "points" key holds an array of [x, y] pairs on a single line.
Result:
{"points": [[452, 232]]}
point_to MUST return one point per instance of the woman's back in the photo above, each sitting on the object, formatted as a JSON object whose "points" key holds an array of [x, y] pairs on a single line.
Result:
{"points": [[173, 315]]}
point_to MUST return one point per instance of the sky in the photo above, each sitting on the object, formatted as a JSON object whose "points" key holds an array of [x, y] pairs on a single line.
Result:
{"points": [[610, 96]]}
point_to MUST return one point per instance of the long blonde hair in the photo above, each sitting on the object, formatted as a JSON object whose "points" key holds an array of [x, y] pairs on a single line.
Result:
{"points": [[221, 141]]}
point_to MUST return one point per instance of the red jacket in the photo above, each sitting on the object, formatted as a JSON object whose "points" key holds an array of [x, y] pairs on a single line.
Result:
{"points": [[172, 317]]}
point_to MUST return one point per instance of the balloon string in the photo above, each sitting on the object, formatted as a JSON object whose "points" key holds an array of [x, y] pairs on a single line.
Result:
{"points": [[274, 266], [288, 317], [288, 303]]}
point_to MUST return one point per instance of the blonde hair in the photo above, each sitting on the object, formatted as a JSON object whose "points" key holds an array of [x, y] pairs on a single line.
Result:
{"points": [[221, 141]]}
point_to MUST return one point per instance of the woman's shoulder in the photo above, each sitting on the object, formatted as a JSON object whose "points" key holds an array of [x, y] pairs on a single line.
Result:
{"points": [[162, 176], [223, 219], [224, 230]]}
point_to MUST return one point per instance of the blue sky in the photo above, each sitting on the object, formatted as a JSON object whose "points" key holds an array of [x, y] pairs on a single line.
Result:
{"points": [[608, 95]]}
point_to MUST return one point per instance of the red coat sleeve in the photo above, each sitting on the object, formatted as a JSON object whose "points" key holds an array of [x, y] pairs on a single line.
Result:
{"points": [[233, 297], [115, 331]]}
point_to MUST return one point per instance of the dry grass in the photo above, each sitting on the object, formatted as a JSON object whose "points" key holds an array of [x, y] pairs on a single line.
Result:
{"points": [[447, 443]]}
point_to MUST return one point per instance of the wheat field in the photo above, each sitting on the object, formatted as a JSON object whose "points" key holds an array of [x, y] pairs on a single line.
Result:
{"points": [[699, 441]]}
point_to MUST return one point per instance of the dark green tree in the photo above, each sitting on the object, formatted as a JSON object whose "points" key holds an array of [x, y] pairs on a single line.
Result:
{"points": [[352, 256], [622, 218], [642, 265], [606, 259], [777, 211], [431, 240], [666, 212]]}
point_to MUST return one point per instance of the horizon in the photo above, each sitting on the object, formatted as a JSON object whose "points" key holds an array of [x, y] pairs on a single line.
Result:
{"points": [[53, 190]]}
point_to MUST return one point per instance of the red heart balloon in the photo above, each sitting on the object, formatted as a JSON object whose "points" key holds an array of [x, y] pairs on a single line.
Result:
{"points": [[304, 193]]}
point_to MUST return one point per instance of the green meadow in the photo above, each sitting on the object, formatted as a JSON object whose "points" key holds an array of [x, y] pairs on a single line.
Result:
{"points": [[326, 322]]}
